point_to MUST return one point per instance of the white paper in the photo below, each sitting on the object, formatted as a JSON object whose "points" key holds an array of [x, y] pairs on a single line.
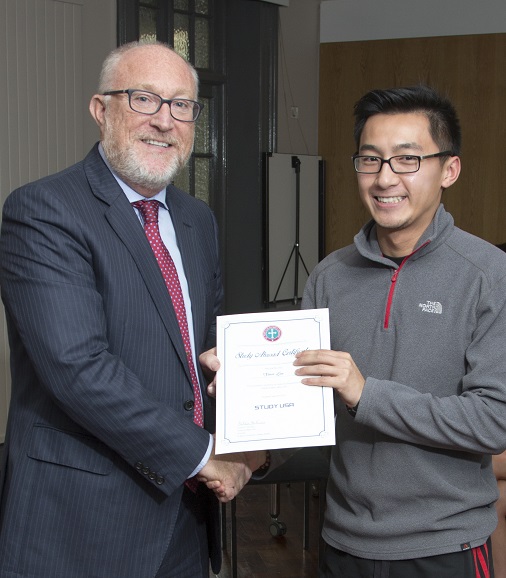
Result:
{"points": [[260, 402]]}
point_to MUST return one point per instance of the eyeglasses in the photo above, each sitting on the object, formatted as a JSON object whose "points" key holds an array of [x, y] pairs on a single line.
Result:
{"points": [[400, 164], [146, 102]]}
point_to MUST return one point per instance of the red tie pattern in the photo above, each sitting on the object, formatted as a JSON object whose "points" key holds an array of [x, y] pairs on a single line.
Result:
{"points": [[149, 212]]}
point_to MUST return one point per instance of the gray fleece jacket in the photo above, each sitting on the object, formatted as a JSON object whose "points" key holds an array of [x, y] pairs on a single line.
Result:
{"points": [[411, 473]]}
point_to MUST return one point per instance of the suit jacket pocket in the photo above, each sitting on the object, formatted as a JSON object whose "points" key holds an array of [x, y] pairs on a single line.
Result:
{"points": [[69, 449]]}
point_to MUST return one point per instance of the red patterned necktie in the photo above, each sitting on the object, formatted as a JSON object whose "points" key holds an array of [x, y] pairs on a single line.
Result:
{"points": [[149, 212]]}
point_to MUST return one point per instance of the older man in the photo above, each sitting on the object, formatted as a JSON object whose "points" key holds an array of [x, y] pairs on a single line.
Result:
{"points": [[111, 284]]}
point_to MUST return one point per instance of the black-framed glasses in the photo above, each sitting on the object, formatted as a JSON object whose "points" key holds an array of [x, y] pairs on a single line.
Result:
{"points": [[146, 102], [400, 164]]}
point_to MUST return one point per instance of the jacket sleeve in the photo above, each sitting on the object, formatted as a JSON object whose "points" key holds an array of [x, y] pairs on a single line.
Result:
{"points": [[472, 418]]}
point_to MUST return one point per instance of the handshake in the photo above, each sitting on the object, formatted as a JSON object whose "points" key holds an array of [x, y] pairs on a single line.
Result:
{"points": [[227, 474]]}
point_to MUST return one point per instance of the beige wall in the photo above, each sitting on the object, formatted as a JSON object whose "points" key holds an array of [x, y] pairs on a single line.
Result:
{"points": [[50, 56], [298, 77]]}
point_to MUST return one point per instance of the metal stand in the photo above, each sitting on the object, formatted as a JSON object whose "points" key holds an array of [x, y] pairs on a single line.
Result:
{"points": [[295, 250]]}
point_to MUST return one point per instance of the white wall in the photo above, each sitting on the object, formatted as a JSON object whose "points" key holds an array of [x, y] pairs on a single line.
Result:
{"points": [[352, 20], [50, 57]]}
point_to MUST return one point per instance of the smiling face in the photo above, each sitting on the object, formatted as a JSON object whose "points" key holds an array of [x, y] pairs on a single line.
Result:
{"points": [[403, 205], [146, 151]]}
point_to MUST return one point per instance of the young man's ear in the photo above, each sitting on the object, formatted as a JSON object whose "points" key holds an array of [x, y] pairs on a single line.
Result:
{"points": [[451, 172]]}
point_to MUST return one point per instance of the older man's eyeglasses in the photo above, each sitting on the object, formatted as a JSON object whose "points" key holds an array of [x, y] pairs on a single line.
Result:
{"points": [[146, 102], [400, 164]]}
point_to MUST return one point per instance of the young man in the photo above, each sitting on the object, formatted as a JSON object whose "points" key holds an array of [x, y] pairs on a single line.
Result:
{"points": [[418, 326], [111, 284]]}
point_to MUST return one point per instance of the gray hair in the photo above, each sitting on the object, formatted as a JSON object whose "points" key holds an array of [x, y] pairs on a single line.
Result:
{"points": [[111, 62]]}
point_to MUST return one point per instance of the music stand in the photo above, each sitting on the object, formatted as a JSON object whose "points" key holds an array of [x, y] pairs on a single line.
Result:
{"points": [[296, 248]]}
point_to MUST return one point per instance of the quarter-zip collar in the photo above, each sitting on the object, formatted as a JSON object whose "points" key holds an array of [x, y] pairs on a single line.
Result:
{"points": [[437, 232], [366, 242], [393, 283]]}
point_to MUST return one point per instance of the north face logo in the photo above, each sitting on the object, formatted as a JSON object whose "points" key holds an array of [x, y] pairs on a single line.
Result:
{"points": [[431, 307]]}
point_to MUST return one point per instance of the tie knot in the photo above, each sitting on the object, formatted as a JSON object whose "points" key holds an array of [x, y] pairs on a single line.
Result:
{"points": [[148, 210]]}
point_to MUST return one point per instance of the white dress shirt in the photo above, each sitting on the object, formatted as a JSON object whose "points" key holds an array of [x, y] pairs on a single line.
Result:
{"points": [[168, 235]]}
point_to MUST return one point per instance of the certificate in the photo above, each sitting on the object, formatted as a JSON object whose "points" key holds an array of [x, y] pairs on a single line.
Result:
{"points": [[260, 402]]}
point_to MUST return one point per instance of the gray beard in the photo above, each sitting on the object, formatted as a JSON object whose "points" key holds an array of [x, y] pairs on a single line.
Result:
{"points": [[124, 163]]}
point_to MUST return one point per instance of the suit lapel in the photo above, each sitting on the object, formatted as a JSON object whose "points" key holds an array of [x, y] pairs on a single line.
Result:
{"points": [[188, 246], [126, 225]]}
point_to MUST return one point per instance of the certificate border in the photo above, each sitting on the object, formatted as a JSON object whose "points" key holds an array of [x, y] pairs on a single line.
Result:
{"points": [[325, 436]]}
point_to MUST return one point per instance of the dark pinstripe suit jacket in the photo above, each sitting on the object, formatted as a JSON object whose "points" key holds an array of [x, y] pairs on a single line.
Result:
{"points": [[99, 442]]}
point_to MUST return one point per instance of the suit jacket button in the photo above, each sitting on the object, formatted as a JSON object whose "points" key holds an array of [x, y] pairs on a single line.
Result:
{"points": [[160, 480], [188, 405], [139, 465], [151, 475], [145, 470]]}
